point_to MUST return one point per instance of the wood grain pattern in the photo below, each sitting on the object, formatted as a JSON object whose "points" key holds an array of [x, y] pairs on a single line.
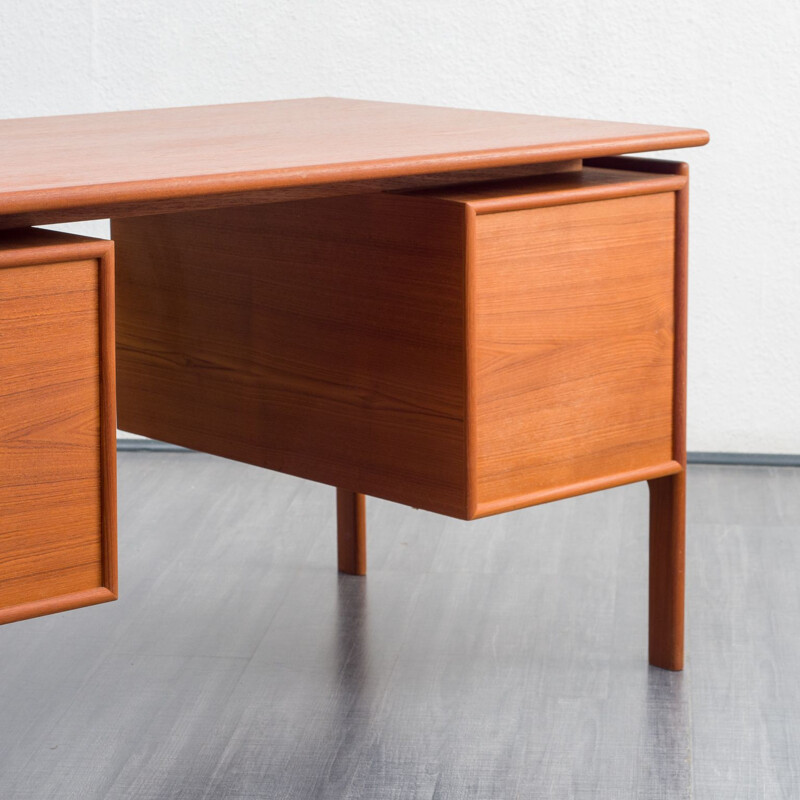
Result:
{"points": [[93, 160], [351, 532], [573, 343], [57, 424], [680, 170], [321, 338]]}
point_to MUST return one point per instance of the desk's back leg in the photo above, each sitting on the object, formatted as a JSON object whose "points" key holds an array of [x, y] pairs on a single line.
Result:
{"points": [[351, 518], [667, 555]]}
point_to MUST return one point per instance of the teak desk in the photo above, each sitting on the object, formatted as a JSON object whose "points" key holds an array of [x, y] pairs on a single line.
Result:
{"points": [[467, 312]]}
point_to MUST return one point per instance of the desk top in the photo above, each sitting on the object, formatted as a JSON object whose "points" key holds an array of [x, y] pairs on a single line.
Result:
{"points": [[95, 161]]}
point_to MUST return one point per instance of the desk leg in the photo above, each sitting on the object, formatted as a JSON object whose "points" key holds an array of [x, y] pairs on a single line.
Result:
{"points": [[667, 553], [351, 516]]}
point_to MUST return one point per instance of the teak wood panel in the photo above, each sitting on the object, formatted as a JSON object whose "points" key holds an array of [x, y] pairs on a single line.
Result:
{"points": [[57, 424], [572, 342], [322, 338], [132, 158]]}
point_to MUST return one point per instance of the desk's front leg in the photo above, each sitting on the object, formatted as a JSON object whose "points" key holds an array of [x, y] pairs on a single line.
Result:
{"points": [[667, 559]]}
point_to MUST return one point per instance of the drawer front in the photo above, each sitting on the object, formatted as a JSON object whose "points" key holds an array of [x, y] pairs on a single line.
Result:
{"points": [[573, 339], [57, 481]]}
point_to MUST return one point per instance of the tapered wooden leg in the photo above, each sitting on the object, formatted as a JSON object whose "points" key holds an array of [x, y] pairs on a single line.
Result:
{"points": [[351, 515], [667, 556]]}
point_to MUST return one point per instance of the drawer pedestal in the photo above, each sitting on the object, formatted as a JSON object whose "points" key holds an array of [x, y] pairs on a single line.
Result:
{"points": [[468, 351], [57, 423]]}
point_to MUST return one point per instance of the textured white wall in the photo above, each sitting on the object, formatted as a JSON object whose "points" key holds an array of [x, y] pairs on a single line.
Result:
{"points": [[730, 66]]}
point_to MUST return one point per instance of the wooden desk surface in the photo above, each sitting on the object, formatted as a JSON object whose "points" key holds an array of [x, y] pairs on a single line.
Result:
{"points": [[133, 162]]}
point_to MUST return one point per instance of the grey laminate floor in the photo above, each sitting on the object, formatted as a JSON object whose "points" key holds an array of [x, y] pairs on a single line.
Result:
{"points": [[496, 659]]}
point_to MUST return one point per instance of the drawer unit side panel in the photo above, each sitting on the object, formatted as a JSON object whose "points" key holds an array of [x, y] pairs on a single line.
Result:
{"points": [[320, 338]]}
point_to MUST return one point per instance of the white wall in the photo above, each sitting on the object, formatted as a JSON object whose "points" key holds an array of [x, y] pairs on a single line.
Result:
{"points": [[730, 66]]}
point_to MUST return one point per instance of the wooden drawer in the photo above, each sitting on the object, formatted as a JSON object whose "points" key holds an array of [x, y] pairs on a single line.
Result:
{"points": [[466, 351], [571, 346], [57, 423]]}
